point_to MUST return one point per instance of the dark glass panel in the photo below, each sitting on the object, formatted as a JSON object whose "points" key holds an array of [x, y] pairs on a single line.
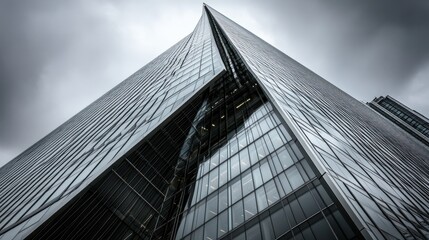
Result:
{"points": [[237, 214], [249, 206]]}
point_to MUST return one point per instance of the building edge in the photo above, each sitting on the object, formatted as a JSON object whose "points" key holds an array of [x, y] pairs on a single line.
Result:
{"points": [[287, 121]]}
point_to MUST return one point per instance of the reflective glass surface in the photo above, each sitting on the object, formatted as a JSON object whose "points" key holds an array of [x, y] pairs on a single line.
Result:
{"points": [[220, 137], [49, 173], [382, 173]]}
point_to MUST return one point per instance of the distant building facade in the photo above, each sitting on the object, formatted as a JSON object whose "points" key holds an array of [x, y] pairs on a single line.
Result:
{"points": [[411, 121], [220, 137]]}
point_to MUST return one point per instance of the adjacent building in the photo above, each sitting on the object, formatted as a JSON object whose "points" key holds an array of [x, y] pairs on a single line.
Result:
{"points": [[220, 137], [411, 121]]}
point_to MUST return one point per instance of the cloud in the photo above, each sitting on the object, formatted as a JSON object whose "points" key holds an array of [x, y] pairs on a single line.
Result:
{"points": [[59, 56], [366, 48]]}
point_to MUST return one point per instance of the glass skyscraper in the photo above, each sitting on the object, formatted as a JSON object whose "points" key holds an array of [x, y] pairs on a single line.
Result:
{"points": [[220, 137], [404, 117]]}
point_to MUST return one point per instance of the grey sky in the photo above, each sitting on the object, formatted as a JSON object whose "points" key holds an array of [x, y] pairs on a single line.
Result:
{"points": [[56, 57]]}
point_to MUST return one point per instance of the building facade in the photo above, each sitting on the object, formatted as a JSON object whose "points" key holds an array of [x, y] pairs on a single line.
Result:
{"points": [[220, 137], [404, 117]]}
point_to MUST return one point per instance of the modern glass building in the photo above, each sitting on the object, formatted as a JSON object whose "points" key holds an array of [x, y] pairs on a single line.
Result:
{"points": [[220, 137], [404, 117]]}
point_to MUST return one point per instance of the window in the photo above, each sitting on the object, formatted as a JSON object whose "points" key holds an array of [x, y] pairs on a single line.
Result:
{"points": [[253, 233], [212, 206], [266, 172], [247, 182], [244, 160], [261, 199], [210, 232], [222, 223], [267, 229], [271, 191], [280, 224], [294, 177], [236, 191], [285, 159], [249, 206], [237, 214], [223, 199]]}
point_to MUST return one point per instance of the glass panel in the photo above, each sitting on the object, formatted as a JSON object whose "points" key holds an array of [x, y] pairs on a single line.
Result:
{"points": [[265, 125], [296, 150], [247, 182], [236, 191], [276, 162], [308, 169], [223, 173], [198, 234], [204, 186], [223, 223], [253, 155], [244, 160], [285, 183], [285, 159], [289, 214], [324, 195], [235, 166], [213, 183], [280, 223], [308, 204], [272, 194], [257, 178], [214, 160], [210, 228], [237, 214], [322, 230], [262, 198], [206, 167], [266, 172], [306, 232], [223, 154], [267, 229], [242, 141], [180, 229], [199, 214], [270, 147], [344, 226], [253, 233], [233, 146], [212, 205], [261, 148], [279, 187], [189, 220], [223, 199], [242, 236], [294, 177], [297, 211], [249, 206]]}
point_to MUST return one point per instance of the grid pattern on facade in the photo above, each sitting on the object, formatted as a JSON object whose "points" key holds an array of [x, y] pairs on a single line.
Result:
{"points": [[80, 149], [222, 136], [255, 167], [253, 182], [247, 164], [384, 181], [128, 201], [237, 156]]}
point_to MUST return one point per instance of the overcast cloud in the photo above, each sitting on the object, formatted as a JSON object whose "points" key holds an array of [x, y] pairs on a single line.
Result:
{"points": [[56, 57]]}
